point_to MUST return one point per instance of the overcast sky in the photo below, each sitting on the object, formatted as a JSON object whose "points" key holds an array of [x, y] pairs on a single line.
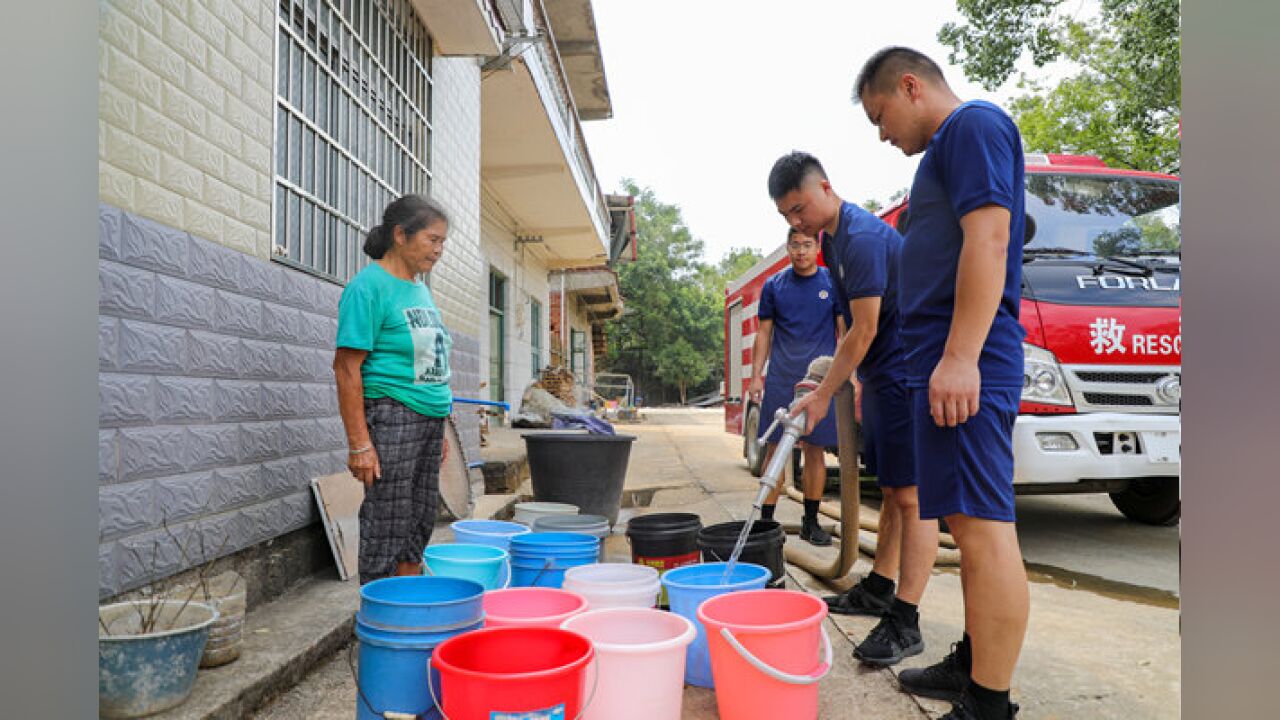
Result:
{"points": [[708, 93]]}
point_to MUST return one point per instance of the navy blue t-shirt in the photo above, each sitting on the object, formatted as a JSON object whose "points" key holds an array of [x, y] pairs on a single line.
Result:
{"points": [[803, 311], [973, 160], [863, 255]]}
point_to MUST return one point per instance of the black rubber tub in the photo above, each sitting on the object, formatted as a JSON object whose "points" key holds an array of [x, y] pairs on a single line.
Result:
{"points": [[581, 469], [764, 546]]}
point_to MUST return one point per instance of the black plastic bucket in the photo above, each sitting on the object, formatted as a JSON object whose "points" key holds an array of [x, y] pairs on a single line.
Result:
{"points": [[764, 546], [579, 468], [664, 541]]}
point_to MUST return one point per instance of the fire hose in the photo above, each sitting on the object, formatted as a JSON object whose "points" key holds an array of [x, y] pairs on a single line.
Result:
{"points": [[848, 511]]}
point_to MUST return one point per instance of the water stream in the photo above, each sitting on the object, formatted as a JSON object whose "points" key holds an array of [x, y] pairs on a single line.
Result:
{"points": [[737, 547]]}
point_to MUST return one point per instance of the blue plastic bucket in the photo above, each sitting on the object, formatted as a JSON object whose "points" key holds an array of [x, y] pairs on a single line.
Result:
{"points": [[401, 621], [540, 559], [691, 585], [497, 533], [413, 602], [395, 668], [483, 563]]}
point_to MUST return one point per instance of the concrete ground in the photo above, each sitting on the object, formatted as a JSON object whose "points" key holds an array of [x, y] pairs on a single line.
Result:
{"points": [[1103, 639]]}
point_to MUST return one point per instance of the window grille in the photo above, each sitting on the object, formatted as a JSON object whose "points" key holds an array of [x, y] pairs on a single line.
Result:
{"points": [[352, 125]]}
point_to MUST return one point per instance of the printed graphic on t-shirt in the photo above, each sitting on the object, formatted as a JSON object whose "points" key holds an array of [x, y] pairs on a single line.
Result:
{"points": [[430, 345]]}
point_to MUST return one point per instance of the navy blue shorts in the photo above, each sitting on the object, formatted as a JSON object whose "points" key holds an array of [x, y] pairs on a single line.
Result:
{"points": [[967, 469], [886, 433], [780, 394]]}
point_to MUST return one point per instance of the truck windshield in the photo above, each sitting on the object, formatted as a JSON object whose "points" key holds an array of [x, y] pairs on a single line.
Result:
{"points": [[1104, 215]]}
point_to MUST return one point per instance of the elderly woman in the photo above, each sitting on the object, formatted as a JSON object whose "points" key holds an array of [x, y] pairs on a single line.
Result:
{"points": [[392, 370]]}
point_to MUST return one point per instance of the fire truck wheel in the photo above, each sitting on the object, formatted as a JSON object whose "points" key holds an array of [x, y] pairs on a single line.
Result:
{"points": [[1152, 501], [752, 448]]}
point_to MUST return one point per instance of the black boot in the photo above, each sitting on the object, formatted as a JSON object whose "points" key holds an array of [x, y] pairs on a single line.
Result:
{"points": [[889, 642], [966, 708], [863, 598], [813, 533], [944, 680]]}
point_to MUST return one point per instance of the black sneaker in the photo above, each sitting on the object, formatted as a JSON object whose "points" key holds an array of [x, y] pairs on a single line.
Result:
{"points": [[813, 533], [860, 601], [966, 709], [889, 642], [944, 680]]}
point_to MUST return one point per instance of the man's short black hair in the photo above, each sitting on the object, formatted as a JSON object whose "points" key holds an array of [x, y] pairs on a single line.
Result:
{"points": [[881, 73], [791, 231], [790, 171]]}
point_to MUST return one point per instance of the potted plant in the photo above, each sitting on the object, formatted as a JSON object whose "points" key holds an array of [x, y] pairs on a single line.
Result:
{"points": [[148, 652], [149, 648]]}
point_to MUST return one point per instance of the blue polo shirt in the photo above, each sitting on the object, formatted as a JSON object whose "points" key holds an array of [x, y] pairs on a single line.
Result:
{"points": [[974, 159], [803, 311], [863, 256]]}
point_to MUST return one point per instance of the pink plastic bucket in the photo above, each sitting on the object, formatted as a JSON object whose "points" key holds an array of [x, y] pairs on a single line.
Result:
{"points": [[768, 652], [531, 607], [640, 657]]}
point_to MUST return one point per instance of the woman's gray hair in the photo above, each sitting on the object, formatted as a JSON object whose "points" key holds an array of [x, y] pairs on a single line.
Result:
{"points": [[411, 212]]}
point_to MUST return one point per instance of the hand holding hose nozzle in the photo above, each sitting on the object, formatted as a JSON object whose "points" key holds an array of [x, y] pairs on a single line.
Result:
{"points": [[792, 428]]}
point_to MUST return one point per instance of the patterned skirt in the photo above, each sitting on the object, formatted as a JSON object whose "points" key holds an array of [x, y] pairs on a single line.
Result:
{"points": [[399, 509]]}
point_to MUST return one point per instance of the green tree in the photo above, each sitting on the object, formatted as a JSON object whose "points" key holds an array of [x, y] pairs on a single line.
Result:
{"points": [[1122, 105], [736, 262], [671, 338], [682, 365], [872, 206]]}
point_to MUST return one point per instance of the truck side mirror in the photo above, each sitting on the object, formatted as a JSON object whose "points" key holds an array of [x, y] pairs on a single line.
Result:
{"points": [[1029, 231]]}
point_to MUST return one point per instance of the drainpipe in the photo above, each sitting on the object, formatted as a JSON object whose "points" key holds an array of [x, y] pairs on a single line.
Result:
{"points": [[564, 302]]}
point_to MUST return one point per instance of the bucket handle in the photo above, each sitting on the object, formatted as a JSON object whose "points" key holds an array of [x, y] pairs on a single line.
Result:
{"points": [[386, 714], [439, 706], [546, 565], [777, 674]]}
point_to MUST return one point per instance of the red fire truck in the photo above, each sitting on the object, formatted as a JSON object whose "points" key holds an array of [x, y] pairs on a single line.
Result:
{"points": [[1101, 303]]}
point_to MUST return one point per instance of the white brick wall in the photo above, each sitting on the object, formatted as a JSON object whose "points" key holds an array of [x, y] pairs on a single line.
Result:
{"points": [[526, 279], [459, 281], [185, 103]]}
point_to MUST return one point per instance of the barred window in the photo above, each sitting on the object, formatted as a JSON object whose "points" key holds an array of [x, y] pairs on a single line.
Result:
{"points": [[353, 125]]}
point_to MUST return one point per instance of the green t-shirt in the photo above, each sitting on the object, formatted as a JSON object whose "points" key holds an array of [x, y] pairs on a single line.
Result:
{"points": [[397, 322]]}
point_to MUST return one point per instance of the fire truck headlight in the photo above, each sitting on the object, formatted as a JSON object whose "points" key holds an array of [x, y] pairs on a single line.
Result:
{"points": [[1057, 442], [1042, 379]]}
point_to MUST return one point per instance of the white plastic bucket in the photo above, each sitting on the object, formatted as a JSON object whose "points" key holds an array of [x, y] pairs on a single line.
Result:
{"points": [[640, 660], [527, 512], [610, 585]]}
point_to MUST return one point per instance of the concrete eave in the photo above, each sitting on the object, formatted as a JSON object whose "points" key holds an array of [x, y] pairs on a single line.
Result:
{"points": [[461, 27], [622, 231], [595, 287], [531, 163], [573, 26]]}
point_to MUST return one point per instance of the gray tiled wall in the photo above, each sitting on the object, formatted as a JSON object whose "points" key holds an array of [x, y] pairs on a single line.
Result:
{"points": [[216, 399]]}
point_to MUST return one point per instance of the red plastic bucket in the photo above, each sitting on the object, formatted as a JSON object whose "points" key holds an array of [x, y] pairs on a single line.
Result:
{"points": [[517, 673], [769, 650]]}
